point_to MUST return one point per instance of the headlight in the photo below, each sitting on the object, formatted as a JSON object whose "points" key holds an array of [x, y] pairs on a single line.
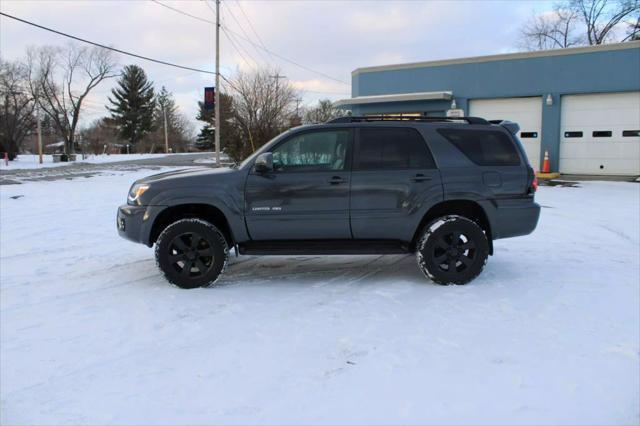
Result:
{"points": [[136, 192]]}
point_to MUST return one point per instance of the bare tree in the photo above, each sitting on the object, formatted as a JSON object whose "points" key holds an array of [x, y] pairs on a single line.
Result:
{"points": [[262, 108], [60, 80], [602, 16], [553, 30], [323, 112], [100, 135], [633, 30], [16, 109], [577, 22]]}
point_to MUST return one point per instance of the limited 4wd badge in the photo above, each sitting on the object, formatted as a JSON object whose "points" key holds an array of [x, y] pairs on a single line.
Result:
{"points": [[266, 209]]}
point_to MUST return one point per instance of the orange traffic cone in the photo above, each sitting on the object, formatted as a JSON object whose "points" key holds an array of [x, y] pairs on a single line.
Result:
{"points": [[546, 168]]}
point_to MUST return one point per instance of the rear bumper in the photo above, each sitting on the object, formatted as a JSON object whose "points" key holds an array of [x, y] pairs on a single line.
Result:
{"points": [[513, 218], [134, 223]]}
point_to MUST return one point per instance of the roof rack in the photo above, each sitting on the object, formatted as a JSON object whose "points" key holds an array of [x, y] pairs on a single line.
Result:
{"points": [[422, 119]]}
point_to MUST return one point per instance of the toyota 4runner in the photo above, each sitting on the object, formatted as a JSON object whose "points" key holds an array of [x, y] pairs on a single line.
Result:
{"points": [[441, 188]]}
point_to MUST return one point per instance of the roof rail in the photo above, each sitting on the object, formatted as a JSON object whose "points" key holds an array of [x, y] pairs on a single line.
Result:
{"points": [[422, 119]]}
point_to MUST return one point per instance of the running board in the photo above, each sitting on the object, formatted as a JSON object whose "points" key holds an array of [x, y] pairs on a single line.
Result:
{"points": [[327, 247]]}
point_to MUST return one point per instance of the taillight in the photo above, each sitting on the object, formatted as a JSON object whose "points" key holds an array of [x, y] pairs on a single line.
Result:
{"points": [[534, 184]]}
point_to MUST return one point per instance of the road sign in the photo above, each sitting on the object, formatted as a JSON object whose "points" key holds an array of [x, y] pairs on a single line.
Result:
{"points": [[209, 98]]}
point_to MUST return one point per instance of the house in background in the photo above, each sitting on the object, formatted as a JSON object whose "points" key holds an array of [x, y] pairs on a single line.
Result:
{"points": [[582, 104]]}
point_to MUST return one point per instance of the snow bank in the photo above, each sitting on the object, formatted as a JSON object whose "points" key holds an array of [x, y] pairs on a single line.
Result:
{"points": [[91, 333], [27, 161]]}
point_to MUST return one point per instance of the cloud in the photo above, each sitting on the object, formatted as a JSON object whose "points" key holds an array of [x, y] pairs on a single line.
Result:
{"points": [[333, 37]]}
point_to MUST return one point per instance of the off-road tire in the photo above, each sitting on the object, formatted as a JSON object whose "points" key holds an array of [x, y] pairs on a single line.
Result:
{"points": [[177, 249], [452, 250]]}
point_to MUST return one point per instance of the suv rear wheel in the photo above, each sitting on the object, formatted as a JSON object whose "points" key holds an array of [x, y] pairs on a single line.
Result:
{"points": [[191, 253], [452, 250]]}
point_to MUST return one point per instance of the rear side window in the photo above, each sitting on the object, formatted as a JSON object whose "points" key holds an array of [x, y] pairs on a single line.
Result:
{"points": [[392, 149], [484, 147]]}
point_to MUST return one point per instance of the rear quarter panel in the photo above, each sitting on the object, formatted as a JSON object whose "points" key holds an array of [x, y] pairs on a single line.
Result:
{"points": [[499, 190]]}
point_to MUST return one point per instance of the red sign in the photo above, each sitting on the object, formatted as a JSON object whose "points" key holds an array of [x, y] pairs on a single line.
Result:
{"points": [[209, 98]]}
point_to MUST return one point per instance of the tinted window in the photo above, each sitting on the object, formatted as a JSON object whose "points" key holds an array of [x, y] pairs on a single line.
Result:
{"points": [[397, 148], [572, 134], [602, 134], [313, 151], [485, 148]]}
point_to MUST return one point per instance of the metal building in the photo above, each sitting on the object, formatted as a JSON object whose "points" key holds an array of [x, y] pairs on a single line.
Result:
{"points": [[582, 105]]}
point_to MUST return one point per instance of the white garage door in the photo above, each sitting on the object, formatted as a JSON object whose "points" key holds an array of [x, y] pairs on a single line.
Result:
{"points": [[527, 112], [600, 134]]}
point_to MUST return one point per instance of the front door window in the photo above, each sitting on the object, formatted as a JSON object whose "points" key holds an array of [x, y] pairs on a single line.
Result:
{"points": [[312, 152]]}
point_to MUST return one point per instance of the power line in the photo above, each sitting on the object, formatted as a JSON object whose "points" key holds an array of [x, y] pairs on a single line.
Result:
{"points": [[260, 52], [288, 60], [135, 55], [251, 26], [183, 12], [233, 86], [238, 46], [271, 52], [210, 7], [233, 44], [325, 93]]}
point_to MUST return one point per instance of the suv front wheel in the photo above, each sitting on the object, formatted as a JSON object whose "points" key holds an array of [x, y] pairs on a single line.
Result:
{"points": [[452, 250], [191, 253]]}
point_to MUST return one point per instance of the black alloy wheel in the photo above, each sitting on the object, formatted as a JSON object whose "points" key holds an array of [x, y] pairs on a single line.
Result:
{"points": [[191, 253], [452, 250]]}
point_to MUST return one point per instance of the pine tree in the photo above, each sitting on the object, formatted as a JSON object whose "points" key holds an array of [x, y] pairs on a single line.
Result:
{"points": [[206, 138], [177, 128], [166, 104], [133, 104]]}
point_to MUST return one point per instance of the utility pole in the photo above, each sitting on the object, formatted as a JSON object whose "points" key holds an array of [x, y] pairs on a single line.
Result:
{"points": [[38, 126], [39, 134], [217, 92], [166, 135], [278, 77], [298, 100]]}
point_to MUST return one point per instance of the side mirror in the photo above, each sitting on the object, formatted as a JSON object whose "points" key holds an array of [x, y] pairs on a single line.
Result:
{"points": [[264, 162]]}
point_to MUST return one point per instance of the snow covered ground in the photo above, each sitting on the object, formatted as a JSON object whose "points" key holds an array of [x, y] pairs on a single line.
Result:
{"points": [[27, 161], [91, 334]]}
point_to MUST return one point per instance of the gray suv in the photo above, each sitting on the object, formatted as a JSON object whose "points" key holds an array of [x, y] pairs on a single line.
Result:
{"points": [[441, 188]]}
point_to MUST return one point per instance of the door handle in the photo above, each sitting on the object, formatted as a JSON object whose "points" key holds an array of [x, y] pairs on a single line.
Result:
{"points": [[335, 180], [420, 178]]}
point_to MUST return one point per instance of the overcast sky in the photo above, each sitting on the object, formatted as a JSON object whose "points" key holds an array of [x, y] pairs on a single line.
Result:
{"points": [[332, 37]]}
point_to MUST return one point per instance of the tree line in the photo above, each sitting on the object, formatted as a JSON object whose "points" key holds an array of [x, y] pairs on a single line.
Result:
{"points": [[582, 23], [57, 81]]}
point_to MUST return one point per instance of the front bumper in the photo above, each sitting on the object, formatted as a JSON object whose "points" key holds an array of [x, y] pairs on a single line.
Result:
{"points": [[129, 222], [135, 222]]}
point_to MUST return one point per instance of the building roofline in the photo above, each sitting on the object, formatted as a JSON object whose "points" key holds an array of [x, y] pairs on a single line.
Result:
{"points": [[502, 57], [397, 97]]}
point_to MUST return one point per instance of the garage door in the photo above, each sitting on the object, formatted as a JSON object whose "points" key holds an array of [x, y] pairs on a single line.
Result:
{"points": [[600, 134], [527, 112]]}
